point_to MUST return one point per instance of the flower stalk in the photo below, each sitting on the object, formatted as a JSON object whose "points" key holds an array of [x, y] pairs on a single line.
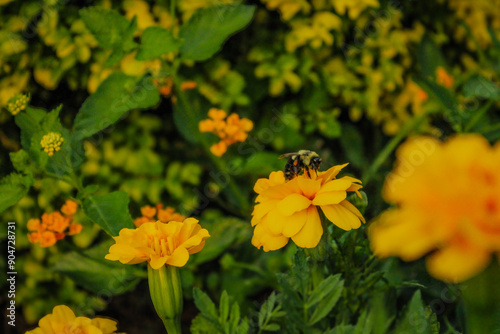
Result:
{"points": [[166, 294]]}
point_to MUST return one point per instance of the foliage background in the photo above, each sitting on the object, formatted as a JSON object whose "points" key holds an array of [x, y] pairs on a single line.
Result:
{"points": [[348, 79]]}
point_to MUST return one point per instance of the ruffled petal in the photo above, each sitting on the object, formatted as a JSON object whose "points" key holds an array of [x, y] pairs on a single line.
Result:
{"points": [[294, 223], [293, 203], [310, 234], [178, 258]]}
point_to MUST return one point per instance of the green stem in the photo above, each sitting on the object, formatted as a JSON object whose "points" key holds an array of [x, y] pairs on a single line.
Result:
{"points": [[391, 146], [172, 9]]}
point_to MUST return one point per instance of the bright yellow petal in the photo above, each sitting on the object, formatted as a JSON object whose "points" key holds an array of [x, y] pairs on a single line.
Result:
{"points": [[310, 234], [275, 221], [294, 223], [332, 197], [331, 173], [335, 185], [293, 203], [157, 261], [348, 205], [457, 263], [263, 238], [309, 187], [341, 217], [179, 257]]}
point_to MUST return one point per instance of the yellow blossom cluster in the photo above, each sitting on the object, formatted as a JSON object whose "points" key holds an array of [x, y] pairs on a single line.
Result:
{"points": [[230, 130], [54, 226], [289, 209], [18, 103], [159, 244], [52, 142], [158, 213], [447, 204], [63, 320]]}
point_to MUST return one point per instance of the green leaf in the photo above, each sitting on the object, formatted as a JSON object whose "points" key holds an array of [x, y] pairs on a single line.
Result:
{"points": [[91, 271], [429, 57], [417, 318], [20, 161], [327, 303], [109, 211], [13, 187], [115, 96], [156, 41], [224, 306], [29, 123], [479, 86], [324, 288], [205, 305], [208, 28], [187, 116], [107, 26]]}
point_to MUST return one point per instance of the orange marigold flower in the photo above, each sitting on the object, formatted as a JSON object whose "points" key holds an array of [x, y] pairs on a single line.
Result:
{"points": [[186, 85], [141, 220], [448, 203], [69, 208], [218, 149], [33, 224], [289, 209], [47, 238], [443, 78], [158, 243], [148, 211], [63, 320], [75, 228]]}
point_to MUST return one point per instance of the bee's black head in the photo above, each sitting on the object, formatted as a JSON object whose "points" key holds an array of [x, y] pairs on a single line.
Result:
{"points": [[315, 162]]}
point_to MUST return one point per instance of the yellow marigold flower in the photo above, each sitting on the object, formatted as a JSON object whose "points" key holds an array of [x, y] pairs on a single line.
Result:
{"points": [[447, 197], [443, 78], [158, 243], [17, 103], [63, 320], [289, 209], [52, 142], [69, 208]]}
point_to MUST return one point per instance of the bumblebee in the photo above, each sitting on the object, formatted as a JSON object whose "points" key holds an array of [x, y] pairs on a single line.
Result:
{"points": [[300, 161]]}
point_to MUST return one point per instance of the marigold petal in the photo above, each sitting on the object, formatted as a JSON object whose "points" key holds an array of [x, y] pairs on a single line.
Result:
{"points": [[293, 203], [275, 221], [261, 209], [156, 261], [294, 223], [332, 197], [348, 205], [457, 262], [262, 237], [310, 234], [335, 185], [309, 187], [179, 257], [341, 217], [331, 173]]}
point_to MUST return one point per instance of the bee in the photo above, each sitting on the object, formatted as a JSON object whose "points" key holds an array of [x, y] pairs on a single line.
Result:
{"points": [[303, 160]]}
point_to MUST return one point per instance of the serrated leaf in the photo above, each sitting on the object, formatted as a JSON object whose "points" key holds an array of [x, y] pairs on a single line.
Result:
{"points": [[204, 304], [13, 187], [107, 26], [115, 96], [206, 31], [91, 271], [417, 318], [324, 288], [109, 211], [326, 304], [20, 161], [156, 41], [29, 123], [224, 306]]}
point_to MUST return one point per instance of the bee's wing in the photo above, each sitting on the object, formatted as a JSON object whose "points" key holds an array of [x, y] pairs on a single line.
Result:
{"points": [[286, 155]]}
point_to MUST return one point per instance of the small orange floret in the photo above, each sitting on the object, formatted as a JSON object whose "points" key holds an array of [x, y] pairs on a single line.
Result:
{"points": [[75, 228], [218, 149], [47, 239], [216, 114], [69, 208], [186, 85], [148, 211], [34, 224], [443, 78]]}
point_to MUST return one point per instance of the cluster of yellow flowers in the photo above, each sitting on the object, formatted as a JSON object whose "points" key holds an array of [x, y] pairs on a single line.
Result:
{"points": [[18, 103], [54, 226], [162, 215], [230, 130], [52, 142], [289, 209], [159, 243], [63, 320], [448, 203]]}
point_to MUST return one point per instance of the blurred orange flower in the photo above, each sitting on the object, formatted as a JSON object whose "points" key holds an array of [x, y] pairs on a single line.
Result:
{"points": [[164, 215], [158, 243], [230, 130], [443, 78], [289, 209], [63, 320], [448, 203]]}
